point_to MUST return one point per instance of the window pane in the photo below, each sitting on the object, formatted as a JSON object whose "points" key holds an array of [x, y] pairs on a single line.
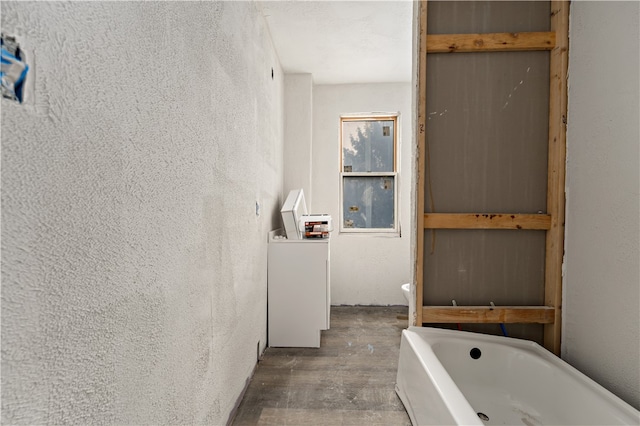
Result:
{"points": [[367, 146], [368, 202]]}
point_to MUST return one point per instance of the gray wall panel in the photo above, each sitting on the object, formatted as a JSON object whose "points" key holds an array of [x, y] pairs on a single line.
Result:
{"points": [[487, 131], [476, 267], [463, 17]]}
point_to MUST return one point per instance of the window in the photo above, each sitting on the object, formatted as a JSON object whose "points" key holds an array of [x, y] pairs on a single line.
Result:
{"points": [[368, 174]]}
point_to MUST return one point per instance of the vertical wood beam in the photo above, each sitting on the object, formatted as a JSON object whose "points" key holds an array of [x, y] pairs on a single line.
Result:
{"points": [[556, 171], [421, 132]]}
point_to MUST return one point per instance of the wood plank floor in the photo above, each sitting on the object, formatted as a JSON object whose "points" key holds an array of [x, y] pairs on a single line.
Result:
{"points": [[349, 380]]}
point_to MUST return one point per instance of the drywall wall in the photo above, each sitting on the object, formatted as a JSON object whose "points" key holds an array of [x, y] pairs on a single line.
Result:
{"points": [[298, 118], [133, 261], [366, 269], [601, 332]]}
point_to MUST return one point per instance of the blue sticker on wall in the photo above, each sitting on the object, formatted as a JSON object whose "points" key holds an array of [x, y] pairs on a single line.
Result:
{"points": [[13, 71]]}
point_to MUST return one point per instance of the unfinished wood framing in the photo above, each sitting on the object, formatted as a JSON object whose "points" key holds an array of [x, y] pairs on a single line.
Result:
{"points": [[488, 314], [494, 42], [486, 221], [551, 222], [421, 132], [556, 171]]}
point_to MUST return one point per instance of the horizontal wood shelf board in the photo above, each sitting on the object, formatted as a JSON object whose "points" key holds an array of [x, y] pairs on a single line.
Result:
{"points": [[486, 221], [490, 42], [487, 314]]}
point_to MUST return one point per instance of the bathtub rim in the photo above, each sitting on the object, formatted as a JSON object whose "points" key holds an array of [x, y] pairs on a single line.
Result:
{"points": [[456, 403], [418, 339]]}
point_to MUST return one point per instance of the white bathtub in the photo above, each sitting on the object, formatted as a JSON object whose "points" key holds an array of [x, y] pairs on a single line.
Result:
{"points": [[510, 381]]}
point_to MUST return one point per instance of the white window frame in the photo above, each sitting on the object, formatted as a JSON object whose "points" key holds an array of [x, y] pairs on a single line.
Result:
{"points": [[395, 117]]}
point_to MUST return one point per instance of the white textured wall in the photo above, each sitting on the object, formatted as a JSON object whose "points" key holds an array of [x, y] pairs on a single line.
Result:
{"points": [[365, 269], [601, 327], [133, 263], [298, 119]]}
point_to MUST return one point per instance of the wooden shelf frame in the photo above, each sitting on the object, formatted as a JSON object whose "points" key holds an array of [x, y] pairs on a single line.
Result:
{"points": [[552, 223]]}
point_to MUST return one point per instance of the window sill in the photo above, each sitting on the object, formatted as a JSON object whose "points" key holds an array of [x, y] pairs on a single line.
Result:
{"points": [[394, 234]]}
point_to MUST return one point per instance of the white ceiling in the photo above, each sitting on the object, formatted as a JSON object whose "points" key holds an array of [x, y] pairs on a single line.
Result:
{"points": [[343, 41]]}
